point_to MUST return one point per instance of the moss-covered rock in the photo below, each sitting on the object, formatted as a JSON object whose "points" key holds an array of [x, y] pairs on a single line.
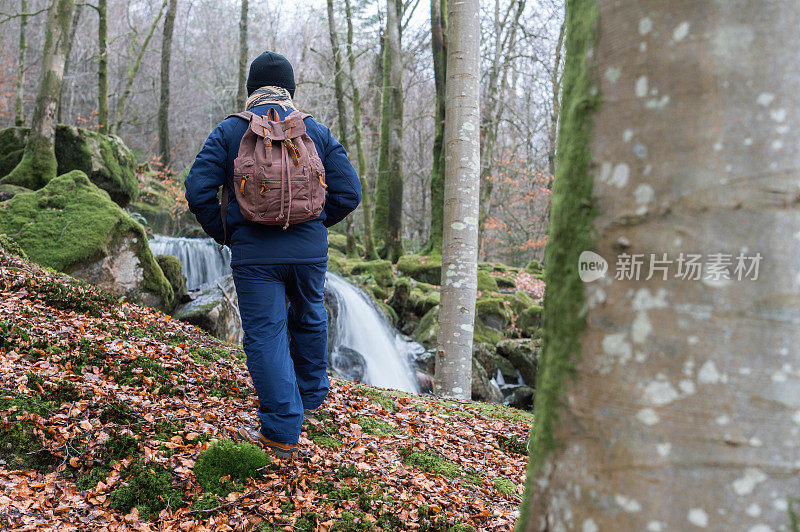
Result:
{"points": [[483, 389], [529, 321], [492, 319], [522, 398], [226, 465], [173, 271], [487, 355], [337, 241], [420, 267], [104, 158], [521, 301], [420, 302], [379, 271], [486, 282], [72, 226], [428, 328], [9, 191], [9, 246], [400, 295], [505, 281], [523, 355], [534, 267], [215, 310]]}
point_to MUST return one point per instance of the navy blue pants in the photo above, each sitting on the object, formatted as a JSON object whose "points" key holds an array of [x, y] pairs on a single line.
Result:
{"points": [[288, 371]]}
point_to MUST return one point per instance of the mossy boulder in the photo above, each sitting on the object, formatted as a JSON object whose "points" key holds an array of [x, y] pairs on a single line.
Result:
{"points": [[9, 191], [505, 281], [492, 319], [529, 321], [487, 355], [215, 310], [483, 388], [379, 271], [337, 241], [420, 302], [522, 398], [104, 158], [534, 267], [420, 267], [400, 295], [523, 355], [486, 282], [428, 328], [73, 226], [173, 271], [521, 301]]}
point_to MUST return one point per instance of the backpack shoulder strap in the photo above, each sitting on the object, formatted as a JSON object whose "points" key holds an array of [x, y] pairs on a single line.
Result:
{"points": [[301, 114], [245, 115]]}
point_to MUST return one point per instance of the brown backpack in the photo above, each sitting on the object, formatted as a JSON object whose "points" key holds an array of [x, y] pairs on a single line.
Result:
{"points": [[278, 177]]}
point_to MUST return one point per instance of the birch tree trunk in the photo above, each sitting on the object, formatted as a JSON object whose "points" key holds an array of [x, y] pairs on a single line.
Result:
{"points": [[19, 101], [453, 376], [38, 165], [673, 403], [102, 66], [366, 202], [133, 69], [163, 102], [241, 93], [439, 50]]}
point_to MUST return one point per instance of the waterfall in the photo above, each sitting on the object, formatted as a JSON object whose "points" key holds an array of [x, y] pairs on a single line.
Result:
{"points": [[362, 343], [203, 261], [361, 327]]}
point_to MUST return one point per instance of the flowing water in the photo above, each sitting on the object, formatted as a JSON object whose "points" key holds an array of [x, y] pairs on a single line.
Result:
{"points": [[362, 341]]}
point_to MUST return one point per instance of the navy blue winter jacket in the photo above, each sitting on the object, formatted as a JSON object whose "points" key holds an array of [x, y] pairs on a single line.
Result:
{"points": [[253, 243]]}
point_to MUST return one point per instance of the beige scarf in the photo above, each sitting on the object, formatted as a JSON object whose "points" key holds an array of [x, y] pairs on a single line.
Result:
{"points": [[270, 95]]}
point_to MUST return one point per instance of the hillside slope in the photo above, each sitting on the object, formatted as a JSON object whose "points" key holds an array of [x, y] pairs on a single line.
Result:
{"points": [[106, 407]]}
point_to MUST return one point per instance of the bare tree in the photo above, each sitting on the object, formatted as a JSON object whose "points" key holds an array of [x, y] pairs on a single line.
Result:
{"points": [[241, 93], [462, 181], [102, 66], [19, 108], [76, 19], [38, 165], [670, 401], [163, 102], [439, 50], [366, 203]]}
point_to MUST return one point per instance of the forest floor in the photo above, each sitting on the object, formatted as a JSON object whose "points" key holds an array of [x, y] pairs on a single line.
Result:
{"points": [[106, 407]]}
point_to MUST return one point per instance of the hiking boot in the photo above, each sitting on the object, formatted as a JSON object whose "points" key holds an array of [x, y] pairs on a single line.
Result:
{"points": [[254, 436], [309, 413]]}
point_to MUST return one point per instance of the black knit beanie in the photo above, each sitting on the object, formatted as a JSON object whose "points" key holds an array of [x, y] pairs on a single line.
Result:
{"points": [[273, 69]]}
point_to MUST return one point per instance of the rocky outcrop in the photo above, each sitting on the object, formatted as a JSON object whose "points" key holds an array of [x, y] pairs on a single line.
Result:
{"points": [[73, 226], [214, 309], [523, 355], [105, 159], [483, 388]]}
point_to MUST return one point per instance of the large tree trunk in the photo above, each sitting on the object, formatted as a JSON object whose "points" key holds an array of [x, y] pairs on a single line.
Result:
{"points": [[102, 66], [163, 102], [241, 93], [672, 403], [462, 180], [133, 69], [19, 102], [38, 165], [393, 247], [439, 49], [341, 108], [366, 202]]}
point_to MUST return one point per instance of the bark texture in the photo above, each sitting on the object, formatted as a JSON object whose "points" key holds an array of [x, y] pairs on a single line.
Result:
{"points": [[38, 165], [19, 107], [163, 102], [453, 376], [684, 412], [439, 49], [366, 202], [241, 93], [102, 66]]}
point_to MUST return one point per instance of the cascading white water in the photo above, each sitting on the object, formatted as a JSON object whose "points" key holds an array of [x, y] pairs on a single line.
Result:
{"points": [[359, 326], [203, 261]]}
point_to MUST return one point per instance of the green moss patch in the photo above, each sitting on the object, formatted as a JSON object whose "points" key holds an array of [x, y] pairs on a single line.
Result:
{"points": [[379, 271], [375, 426], [236, 461], [378, 396], [486, 282], [506, 487], [147, 487], [23, 446], [432, 462], [173, 272], [420, 267]]}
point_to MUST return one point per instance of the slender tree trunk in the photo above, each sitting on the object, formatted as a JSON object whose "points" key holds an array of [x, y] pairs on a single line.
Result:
{"points": [[102, 66], [366, 203], [453, 376], [163, 102], [341, 108], [671, 403], [555, 87], [241, 93], [380, 220], [19, 102], [132, 71], [38, 165], [76, 18], [439, 49], [393, 247]]}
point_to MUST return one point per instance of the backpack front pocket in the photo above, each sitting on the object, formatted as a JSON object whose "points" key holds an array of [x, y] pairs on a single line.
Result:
{"points": [[246, 191]]}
